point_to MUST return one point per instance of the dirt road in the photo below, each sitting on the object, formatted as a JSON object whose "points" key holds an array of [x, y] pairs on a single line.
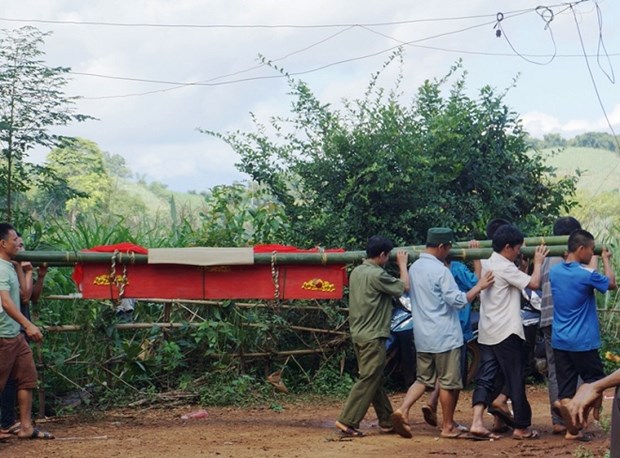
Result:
{"points": [[299, 430]]}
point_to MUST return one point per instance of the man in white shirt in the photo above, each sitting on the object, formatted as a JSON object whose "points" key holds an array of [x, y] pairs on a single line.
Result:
{"points": [[500, 333]]}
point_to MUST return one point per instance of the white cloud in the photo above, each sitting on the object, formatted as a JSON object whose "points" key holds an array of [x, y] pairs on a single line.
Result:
{"points": [[538, 124]]}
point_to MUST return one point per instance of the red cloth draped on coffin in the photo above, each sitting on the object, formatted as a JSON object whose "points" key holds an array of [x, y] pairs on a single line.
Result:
{"points": [[178, 281]]}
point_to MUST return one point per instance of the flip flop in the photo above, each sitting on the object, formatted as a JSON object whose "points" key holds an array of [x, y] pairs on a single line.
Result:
{"points": [[38, 434], [346, 430], [460, 427], [400, 425], [455, 435], [533, 434], [4, 437], [487, 436], [506, 417], [13, 429], [430, 416]]}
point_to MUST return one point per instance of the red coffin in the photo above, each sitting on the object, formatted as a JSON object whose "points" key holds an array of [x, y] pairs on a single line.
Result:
{"points": [[172, 281]]}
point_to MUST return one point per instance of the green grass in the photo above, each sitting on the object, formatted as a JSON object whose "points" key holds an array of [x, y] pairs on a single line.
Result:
{"points": [[598, 187], [600, 168]]}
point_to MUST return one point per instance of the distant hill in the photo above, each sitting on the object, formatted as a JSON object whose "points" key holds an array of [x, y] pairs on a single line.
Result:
{"points": [[598, 188], [157, 198], [153, 200], [600, 168]]}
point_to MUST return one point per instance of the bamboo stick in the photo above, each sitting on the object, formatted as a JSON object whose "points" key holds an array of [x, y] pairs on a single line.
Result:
{"points": [[318, 258], [247, 305], [263, 354], [125, 326]]}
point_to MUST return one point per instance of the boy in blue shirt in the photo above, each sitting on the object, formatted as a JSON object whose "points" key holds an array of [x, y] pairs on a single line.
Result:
{"points": [[575, 334]]}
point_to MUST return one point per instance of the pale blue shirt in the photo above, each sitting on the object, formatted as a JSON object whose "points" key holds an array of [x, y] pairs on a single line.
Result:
{"points": [[435, 303]]}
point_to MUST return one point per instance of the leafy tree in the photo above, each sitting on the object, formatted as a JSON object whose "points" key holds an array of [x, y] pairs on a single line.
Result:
{"points": [[553, 141], [534, 142], [380, 166], [159, 189], [242, 215], [32, 100], [601, 140], [116, 166], [81, 163]]}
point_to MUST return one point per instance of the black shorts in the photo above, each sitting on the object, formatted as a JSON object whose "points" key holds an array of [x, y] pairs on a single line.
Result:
{"points": [[570, 365]]}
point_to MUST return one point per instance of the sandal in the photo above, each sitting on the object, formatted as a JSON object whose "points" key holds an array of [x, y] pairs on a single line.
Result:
{"points": [[461, 428], [581, 437], [13, 429], [38, 434], [533, 434], [506, 417], [430, 415], [483, 436], [400, 425], [6, 437], [346, 430]]}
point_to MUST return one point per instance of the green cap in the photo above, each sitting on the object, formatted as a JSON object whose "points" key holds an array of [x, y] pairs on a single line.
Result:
{"points": [[438, 235]]}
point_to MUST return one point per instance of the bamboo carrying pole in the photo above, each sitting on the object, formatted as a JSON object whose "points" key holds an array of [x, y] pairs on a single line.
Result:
{"points": [[556, 245]]}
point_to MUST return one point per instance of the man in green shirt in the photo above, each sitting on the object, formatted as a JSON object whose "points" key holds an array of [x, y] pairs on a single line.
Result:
{"points": [[371, 290]]}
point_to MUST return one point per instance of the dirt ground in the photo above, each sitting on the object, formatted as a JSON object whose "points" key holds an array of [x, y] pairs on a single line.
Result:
{"points": [[299, 430]]}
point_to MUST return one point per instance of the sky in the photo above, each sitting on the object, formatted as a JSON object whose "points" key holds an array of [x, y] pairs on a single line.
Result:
{"points": [[131, 62]]}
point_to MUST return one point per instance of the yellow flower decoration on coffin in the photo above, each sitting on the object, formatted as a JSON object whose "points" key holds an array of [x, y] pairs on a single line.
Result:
{"points": [[104, 280], [318, 284]]}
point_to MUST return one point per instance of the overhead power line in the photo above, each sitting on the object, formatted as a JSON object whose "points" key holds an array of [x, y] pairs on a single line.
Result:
{"points": [[213, 82], [248, 26], [263, 26], [612, 171]]}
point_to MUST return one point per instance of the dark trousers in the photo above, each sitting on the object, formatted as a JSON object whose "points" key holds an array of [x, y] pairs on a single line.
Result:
{"points": [[406, 352], [464, 364], [501, 365], [570, 365], [7, 404], [368, 389]]}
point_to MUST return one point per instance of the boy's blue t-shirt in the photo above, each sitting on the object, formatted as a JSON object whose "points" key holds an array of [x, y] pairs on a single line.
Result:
{"points": [[575, 322], [466, 280]]}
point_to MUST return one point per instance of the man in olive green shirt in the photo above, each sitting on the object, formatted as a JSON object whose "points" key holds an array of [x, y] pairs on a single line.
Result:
{"points": [[371, 290]]}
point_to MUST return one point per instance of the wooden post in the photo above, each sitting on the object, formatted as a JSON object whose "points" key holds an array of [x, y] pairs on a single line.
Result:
{"points": [[167, 311], [41, 373]]}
